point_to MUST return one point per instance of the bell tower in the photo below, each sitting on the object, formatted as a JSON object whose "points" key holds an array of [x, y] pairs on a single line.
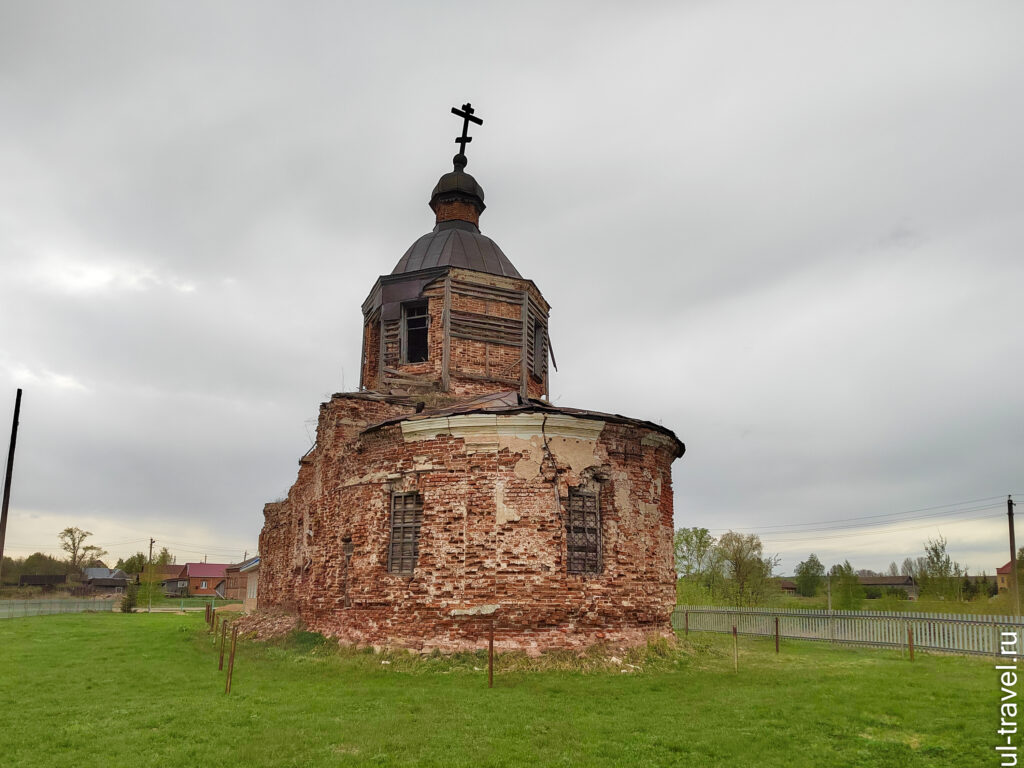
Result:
{"points": [[455, 316]]}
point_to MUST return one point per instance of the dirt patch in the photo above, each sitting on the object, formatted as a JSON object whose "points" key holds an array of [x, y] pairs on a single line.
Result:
{"points": [[233, 607], [264, 625]]}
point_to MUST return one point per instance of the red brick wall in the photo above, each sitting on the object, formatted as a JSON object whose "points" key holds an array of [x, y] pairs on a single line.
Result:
{"points": [[492, 532], [457, 209]]}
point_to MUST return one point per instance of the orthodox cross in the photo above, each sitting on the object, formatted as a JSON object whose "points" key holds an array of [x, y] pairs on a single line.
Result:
{"points": [[466, 113]]}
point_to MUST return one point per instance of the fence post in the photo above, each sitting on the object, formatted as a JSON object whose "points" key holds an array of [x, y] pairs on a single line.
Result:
{"points": [[490, 655], [686, 621], [910, 640], [735, 650], [776, 634], [231, 660], [223, 637]]}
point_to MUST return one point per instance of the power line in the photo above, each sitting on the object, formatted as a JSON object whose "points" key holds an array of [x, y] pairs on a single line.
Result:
{"points": [[865, 517], [884, 532], [884, 524]]}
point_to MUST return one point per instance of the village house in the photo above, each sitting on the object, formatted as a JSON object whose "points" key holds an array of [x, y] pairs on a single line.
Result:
{"points": [[206, 578], [448, 493], [251, 570], [236, 581], [174, 579], [1003, 576]]}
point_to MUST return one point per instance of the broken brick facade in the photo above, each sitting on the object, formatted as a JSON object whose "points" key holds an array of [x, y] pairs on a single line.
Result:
{"points": [[448, 486]]}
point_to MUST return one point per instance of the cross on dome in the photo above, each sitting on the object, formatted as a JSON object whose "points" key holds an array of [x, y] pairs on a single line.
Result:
{"points": [[466, 113]]}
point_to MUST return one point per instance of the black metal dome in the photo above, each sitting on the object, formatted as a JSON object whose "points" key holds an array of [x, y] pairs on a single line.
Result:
{"points": [[456, 244], [458, 184]]}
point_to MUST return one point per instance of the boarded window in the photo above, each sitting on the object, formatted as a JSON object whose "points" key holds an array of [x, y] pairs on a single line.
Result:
{"points": [[584, 533], [539, 349], [406, 517], [414, 329]]}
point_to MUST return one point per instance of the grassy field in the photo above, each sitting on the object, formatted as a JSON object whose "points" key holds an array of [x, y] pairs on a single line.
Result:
{"points": [[144, 690]]}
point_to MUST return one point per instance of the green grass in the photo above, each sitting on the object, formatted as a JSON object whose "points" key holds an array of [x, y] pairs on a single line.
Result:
{"points": [[144, 690]]}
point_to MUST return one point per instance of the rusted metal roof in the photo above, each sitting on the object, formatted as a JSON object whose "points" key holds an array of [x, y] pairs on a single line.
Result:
{"points": [[456, 244], [512, 402]]}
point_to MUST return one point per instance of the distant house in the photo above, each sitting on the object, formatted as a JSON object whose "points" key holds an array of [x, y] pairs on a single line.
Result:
{"points": [[235, 588], [103, 573], [905, 583], [1003, 576], [787, 586], [174, 580], [105, 579], [206, 578], [251, 570]]}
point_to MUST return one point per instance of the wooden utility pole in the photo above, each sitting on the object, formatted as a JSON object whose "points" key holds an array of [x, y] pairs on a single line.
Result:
{"points": [[1013, 556], [7, 477]]}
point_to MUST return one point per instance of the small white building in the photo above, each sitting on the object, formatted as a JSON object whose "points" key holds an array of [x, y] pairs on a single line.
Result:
{"points": [[251, 571]]}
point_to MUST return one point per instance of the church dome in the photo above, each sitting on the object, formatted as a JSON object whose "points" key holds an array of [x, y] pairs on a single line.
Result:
{"points": [[456, 243], [458, 185]]}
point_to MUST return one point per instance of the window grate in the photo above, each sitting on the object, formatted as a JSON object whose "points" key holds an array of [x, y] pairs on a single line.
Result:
{"points": [[584, 533], [406, 518]]}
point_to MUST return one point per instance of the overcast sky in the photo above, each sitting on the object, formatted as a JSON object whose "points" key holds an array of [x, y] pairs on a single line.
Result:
{"points": [[791, 232]]}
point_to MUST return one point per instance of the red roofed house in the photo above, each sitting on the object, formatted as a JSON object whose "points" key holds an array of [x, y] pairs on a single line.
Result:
{"points": [[1003, 576], [206, 578]]}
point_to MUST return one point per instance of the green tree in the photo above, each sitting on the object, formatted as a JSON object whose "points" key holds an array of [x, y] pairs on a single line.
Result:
{"points": [[38, 563], [809, 576], [693, 550], [134, 564], [80, 554], [940, 575], [847, 592], [747, 568], [150, 588]]}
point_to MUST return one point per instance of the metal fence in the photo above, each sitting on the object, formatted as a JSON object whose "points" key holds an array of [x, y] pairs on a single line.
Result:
{"points": [[948, 633], [11, 609]]}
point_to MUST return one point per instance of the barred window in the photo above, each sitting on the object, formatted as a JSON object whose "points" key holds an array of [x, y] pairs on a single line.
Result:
{"points": [[584, 533], [406, 517]]}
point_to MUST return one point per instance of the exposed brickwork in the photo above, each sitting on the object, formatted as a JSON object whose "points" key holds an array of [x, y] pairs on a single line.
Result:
{"points": [[495, 487], [461, 210], [493, 533]]}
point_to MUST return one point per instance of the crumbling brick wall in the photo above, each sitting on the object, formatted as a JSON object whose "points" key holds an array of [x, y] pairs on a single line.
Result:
{"points": [[495, 493]]}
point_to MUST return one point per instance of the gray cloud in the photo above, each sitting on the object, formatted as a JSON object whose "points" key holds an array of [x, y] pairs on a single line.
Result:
{"points": [[791, 234]]}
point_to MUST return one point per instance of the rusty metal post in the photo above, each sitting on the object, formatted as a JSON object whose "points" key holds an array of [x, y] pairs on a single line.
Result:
{"points": [[776, 634], [490, 656], [910, 641], [735, 650], [231, 660], [223, 637], [686, 621], [206, 614], [213, 619]]}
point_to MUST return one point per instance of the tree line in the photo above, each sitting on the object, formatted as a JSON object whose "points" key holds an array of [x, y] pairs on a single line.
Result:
{"points": [[78, 555], [734, 569]]}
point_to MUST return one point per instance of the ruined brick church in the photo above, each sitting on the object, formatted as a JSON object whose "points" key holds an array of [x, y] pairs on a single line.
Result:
{"points": [[448, 493]]}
